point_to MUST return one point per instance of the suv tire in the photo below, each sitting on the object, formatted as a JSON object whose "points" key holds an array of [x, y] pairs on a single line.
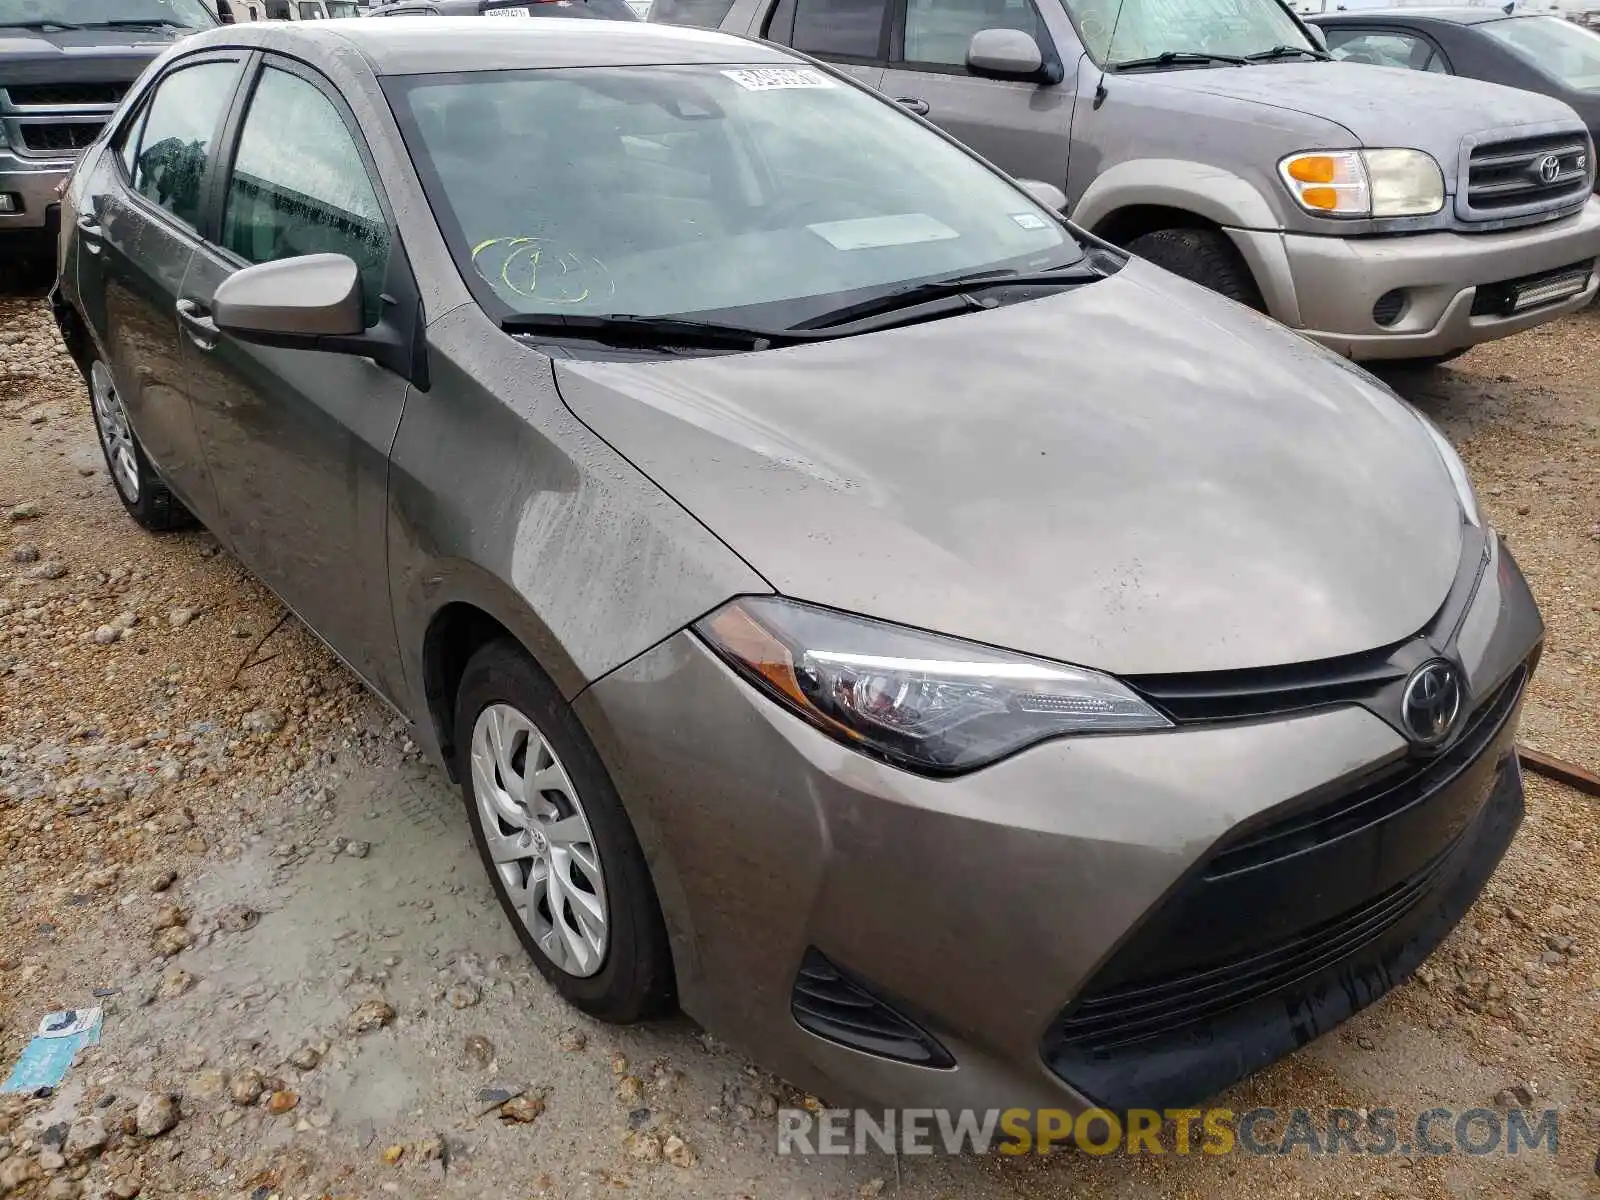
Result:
{"points": [[1203, 256]]}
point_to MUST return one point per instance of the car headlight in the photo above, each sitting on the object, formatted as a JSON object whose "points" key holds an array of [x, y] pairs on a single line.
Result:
{"points": [[1456, 469], [1365, 183], [927, 703]]}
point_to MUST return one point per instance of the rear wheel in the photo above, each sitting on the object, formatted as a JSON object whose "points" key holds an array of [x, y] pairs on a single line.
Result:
{"points": [[1203, 256], [561, 853], [138, 486]]}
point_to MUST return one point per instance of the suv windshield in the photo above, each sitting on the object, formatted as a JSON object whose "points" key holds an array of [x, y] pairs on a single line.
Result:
{"points": [[343, 8], [1567, 52], [1125, 31], [99, 14], [777, 191]]}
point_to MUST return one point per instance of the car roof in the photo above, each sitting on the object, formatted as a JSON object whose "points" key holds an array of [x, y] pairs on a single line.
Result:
{"points": [[424, 45], [1401, 15]]}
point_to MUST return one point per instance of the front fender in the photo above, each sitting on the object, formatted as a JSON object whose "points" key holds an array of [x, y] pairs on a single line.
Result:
{"points": [[1220, 197]]}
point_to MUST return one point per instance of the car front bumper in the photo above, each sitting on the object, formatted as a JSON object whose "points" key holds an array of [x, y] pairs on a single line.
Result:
{"points": [[1327, 287], [32, 184], [998, 911]]}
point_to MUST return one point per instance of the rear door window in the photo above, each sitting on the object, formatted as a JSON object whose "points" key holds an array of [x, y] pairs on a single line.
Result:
{"points": [[178, 137]]}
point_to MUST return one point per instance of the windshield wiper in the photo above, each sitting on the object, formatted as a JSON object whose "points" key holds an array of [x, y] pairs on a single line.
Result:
{"points": [[1288, 52], [1168, 58], [134, 23], [956, 287], [39, 25], [627, 329]]}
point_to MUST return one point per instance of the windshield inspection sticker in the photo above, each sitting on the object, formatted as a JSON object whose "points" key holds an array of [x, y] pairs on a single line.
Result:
{"points": [[44, 1061], [766, 79], [1030, 220]]}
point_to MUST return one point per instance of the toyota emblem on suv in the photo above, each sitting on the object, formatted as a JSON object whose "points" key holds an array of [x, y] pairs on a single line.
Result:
{"points": [[1431, 702], [1549, 168]]}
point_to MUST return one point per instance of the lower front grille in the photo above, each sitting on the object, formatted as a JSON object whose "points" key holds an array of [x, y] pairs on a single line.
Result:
{"points": [[63, 136], [830, 1004]]}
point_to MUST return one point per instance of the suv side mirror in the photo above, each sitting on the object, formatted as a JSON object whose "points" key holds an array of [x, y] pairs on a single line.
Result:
{"points": [[314, 302], [1047, 194], [1004, 54], [1319, 35]]}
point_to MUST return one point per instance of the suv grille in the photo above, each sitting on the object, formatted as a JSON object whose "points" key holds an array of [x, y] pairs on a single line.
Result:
{"points": [[52, 95], [1527, 175], [68, 136]]}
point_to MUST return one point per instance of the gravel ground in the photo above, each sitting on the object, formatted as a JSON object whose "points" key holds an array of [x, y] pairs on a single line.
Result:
{"points": [[303, 972]]}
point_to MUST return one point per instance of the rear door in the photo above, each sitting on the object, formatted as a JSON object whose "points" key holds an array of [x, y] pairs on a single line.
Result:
{"points": [[298, 441], [138, 230], [1022, 126]]}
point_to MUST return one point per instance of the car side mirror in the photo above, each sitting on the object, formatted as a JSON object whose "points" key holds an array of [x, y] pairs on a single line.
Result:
{"points": [[1319, 35], [1047, 194], [1004, 54], [312, 302]]}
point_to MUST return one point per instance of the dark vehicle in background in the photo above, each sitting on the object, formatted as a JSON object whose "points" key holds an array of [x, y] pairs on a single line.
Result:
{"points": [[605, 10], [1537, 53], [64, 65]]}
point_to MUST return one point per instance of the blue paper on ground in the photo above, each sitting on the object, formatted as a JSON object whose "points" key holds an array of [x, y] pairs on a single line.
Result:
{"points": [[44, 1060]]}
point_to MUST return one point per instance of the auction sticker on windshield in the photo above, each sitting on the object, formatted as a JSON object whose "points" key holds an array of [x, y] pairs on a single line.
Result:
{"points": [[507, 12], [766, 79], [872, 233]]}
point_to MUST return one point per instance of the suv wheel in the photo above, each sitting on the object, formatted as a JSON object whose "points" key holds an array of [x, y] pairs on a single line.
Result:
{"points": [[138, 486], [1203, 256], [559, 848]]}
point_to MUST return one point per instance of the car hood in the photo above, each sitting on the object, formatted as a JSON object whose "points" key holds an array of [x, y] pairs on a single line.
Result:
{"points": [[1380, 106], [74, 55], [1135, 475]]}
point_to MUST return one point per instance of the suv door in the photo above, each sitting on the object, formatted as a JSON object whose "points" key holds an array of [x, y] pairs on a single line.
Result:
{"points": [[298, 441], [137, 231], [1023, 126], [853, 35]]}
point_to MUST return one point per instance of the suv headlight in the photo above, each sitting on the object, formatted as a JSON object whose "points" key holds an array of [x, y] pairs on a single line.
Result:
{"points": [[930, 704], [1364, 183]]}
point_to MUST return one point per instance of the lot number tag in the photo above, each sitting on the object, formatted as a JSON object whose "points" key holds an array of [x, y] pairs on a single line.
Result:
{"points": [[766, 79]]}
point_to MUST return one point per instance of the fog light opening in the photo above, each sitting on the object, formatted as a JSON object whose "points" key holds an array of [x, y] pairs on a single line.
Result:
{"points": [[1389, 307], [10, 202]]}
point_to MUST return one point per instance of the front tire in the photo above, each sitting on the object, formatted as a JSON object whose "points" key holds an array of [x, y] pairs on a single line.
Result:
{"points": [[140, 489], [560, 851], [1203, 256]]}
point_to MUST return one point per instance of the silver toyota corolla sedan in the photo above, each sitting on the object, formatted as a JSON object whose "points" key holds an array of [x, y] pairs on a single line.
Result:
{"points": [[956, 662]]}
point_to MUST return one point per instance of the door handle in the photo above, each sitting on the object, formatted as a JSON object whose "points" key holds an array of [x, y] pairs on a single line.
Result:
{"points": [[197, 323], [90, 233], [913, 104]]}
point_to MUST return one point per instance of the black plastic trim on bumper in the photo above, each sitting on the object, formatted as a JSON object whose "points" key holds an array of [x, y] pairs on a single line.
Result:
{"points": [[840, 1007], [1196, 1060]]}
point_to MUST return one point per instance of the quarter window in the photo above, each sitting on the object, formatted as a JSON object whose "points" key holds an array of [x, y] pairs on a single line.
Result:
{"points": [[938, 31], [307, 195], [177, 141], [1386, 49]]}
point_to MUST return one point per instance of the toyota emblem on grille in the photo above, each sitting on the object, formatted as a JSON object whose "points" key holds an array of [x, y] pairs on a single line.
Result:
{"points": [[1549, 168], [1431, 702]]}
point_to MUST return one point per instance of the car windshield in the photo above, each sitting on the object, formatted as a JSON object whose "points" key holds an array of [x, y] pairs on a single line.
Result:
{"points": [[183, 14], [1567, 52], [343, 8], [1120, 31], [777, 191]]}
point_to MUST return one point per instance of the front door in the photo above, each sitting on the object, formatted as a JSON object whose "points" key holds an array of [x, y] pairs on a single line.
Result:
{"points": [[138, 228], [298, 441], [1024, 127]]}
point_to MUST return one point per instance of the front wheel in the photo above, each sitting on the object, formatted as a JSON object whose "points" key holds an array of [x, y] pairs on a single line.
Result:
{"points": [[561, 853], [1203, 256], [138, 486]]}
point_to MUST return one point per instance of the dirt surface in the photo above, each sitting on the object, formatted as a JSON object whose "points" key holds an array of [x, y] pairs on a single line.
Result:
{"points": [[276, 901]]}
